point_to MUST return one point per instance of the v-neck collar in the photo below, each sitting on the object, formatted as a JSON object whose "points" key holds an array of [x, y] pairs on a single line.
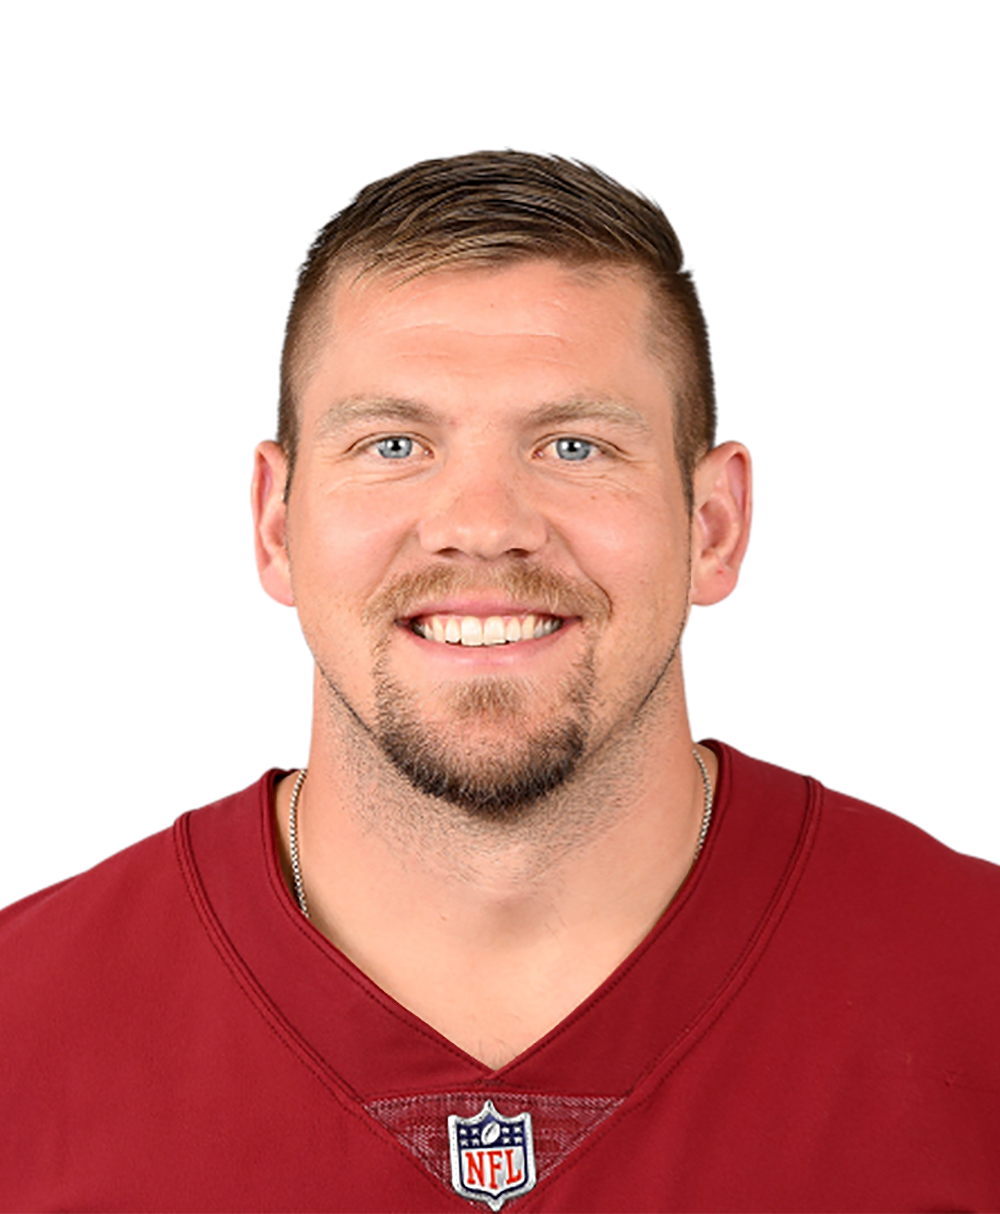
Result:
{"points": [[652, 1006]]}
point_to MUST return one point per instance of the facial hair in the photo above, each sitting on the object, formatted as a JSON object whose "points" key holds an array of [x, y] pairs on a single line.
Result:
{"points": [[498, 770], [498, 781]]}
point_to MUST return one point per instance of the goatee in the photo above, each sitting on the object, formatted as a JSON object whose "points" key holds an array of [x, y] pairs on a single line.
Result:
{"points": [[494, 766]]}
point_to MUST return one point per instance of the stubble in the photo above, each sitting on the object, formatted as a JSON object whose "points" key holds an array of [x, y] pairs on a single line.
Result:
{"points": [[488, 777]]}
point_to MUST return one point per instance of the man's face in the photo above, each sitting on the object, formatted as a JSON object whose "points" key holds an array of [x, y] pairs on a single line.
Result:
{"points": [[486, 529]]}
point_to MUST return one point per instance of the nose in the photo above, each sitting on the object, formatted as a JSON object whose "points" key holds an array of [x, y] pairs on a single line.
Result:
{"points": [[481, 507]]}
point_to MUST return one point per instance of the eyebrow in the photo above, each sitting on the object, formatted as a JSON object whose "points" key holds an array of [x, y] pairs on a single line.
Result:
{"points": [[354, 410]]}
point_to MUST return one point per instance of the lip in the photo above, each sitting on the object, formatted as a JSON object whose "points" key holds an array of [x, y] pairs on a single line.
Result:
{"points": [[477, 607], [488, 655]]}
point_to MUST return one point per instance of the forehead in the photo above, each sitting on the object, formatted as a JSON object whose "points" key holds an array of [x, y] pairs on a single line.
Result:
{"points": [[531, 298], [534, 329]]}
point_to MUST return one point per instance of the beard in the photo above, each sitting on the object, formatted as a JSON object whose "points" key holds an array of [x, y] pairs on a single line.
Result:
{"points": [[483, 755], [489, 765]]}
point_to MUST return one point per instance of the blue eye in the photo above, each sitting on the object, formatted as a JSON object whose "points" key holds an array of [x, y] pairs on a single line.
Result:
{"points": [[573, 448], [396, 447]]}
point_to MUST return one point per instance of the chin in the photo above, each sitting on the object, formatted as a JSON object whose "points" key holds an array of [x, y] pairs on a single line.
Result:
{"points": [[481, 779], [494, 754]]}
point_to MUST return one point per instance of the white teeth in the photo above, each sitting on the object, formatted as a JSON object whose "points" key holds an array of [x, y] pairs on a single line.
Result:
{"points": [[493, 631], [472, 631]]}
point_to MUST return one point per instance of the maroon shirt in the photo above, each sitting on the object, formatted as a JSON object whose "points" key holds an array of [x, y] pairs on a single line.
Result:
{"points": [[812, 1025]]}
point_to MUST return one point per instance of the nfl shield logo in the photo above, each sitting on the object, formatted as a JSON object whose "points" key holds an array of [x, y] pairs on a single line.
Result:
{"points": [[492, 1157]]}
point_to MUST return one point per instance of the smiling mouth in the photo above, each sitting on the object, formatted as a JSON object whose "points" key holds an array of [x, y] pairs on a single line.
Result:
{"points": [[472, 630]]}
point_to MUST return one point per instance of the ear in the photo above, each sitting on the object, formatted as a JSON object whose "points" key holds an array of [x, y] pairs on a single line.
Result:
{"points": [[270, 473], [720, 522]]}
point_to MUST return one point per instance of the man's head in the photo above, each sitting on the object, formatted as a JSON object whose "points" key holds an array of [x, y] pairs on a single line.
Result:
{"points": [[493, 209], [497, 522]]}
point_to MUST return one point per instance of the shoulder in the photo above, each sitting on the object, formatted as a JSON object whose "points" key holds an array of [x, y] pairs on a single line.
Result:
{"points": [[873, 899], [881, 859], [129, 907], [910, 901], [860, 845], [105, 973], [109, 890]]}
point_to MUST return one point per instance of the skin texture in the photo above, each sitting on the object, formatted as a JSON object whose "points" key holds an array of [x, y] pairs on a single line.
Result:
{"points": [[477, 379]]}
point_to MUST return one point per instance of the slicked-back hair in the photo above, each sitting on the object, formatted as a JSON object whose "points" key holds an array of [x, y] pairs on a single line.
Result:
{"points": [[493, 209]]}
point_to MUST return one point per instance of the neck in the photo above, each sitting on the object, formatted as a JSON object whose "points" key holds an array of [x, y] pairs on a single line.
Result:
{"points": [[493, 931]]}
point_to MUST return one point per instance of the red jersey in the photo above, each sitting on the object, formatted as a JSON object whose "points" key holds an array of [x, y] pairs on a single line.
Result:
{"points": [[812, 1025]]}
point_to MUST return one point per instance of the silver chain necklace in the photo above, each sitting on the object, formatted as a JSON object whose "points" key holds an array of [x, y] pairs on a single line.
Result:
{"points": [[293, 835]]}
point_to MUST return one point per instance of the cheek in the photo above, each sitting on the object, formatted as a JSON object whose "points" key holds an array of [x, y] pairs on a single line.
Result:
{"points": [[341, 545], [347, 533], [637, 551]]}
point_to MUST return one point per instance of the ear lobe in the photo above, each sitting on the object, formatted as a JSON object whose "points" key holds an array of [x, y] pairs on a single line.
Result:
{"points": [[270, 473], [720, 523]]}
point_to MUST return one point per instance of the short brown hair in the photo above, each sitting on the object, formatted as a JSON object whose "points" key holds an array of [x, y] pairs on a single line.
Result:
{"points": [[496, 208]]}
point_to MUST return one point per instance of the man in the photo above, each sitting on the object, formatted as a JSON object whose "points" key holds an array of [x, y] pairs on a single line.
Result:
{"points": [[512, 937]]}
